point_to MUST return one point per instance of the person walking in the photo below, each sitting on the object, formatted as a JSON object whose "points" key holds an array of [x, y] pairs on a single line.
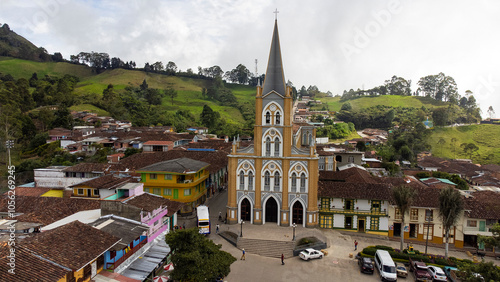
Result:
{"points": [[282, 259], [355, 245], [217, 229], [184, 225], [243, 255]]}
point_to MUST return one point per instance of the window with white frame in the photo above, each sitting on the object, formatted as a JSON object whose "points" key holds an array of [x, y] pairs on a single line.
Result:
{"points": [[303, 183], [276, 147], [250, 181], [268, 118], [268, 146], [294, 182], [278, 118], [267, 181], [242, 180], [276, 181]]}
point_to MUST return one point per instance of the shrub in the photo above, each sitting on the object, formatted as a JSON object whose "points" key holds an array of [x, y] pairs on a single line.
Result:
{"points": [[369, 251], [382, 247]]}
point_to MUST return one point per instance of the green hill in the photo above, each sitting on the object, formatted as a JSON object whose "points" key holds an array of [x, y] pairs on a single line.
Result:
{"points": [[484, 136], [334, 103], [14, 45]]}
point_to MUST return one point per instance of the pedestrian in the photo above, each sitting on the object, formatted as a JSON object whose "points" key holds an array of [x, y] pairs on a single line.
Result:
{"points": [[282, 259], [184, 225], [243, 255], [355, 245], [217, 229]]}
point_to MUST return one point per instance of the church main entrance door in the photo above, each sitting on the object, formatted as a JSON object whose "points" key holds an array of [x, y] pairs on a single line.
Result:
{"points": [[271, 210], [246, 209], [297, 213]]}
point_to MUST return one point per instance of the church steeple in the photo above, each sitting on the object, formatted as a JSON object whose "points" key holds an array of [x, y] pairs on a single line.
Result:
{"points": [[275, 77]]}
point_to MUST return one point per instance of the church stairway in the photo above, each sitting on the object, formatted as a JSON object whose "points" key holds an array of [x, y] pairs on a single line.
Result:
{"points": [[267, 248]]}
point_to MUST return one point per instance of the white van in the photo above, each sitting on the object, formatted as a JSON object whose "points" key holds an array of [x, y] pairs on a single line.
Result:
{"points": [[385, 265]]}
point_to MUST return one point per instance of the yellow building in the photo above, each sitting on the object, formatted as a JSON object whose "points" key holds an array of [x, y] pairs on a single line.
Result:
{"points": [[183, 180], [275, 180]]}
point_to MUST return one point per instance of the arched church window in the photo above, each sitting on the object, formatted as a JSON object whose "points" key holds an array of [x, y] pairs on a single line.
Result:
{"points": [[268, 118], [250, 181], [276, 181], [278, 118], [303, 183], [267, 181], [304, 139], [277, 147], [268, 146], [294, 182], [242, 180]]}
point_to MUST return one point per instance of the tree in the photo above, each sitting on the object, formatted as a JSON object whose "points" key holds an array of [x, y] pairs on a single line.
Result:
{"points": [[346, 107], [469, 149], [451, 207], [196, 258], [491, 241], [171, 93], [488, 271], [441, 142], [171, 68], [491, 112], [208, 117], [361, 146], [452, 145], [398, 86], [403, 197]]}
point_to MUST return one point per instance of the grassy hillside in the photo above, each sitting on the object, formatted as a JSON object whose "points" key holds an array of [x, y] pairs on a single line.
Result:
{"points": [[189, 89], [334, 103], [485, 136]]}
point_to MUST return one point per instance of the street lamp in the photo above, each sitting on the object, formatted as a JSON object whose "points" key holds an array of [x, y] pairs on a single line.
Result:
{"points": [[294, 225], [241, 229], [9, 144]]}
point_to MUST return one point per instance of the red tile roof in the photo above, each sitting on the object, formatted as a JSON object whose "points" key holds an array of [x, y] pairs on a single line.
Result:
{"points": [[46, 210], [159, 143], [149, 202], [108, 181], [93, 167], [73, 245], [483, 205], [30, 191], [29, 267]]}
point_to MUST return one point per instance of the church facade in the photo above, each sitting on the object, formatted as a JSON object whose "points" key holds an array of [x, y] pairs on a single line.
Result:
{"points": [[275, 180]]}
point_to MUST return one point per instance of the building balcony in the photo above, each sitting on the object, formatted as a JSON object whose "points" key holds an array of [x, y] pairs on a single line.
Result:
{"points": [[114, 265], [355, 212]]}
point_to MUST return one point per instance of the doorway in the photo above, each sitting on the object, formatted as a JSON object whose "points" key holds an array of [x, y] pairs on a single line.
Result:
{"points": [[397, 229], [348, 222], [413, 230], [246, 210], [297, 213], [271, 210], [361, 225]]}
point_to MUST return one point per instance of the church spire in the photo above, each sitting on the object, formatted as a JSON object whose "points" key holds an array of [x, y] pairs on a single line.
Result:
{"points": [[275, 77]]}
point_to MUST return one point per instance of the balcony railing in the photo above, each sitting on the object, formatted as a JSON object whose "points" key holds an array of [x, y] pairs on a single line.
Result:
{"points": [[354, 211], [114, 265]]}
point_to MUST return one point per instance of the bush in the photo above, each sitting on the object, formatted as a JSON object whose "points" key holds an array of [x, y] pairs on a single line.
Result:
{"points": [[382, 247], [369, 251]]}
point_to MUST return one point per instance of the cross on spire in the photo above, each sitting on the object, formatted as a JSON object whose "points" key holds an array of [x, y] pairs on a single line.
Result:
{"points": [[276, 14]]}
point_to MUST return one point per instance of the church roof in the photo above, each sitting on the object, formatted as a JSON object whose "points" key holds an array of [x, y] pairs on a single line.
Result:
{"points": [[275, 77]]}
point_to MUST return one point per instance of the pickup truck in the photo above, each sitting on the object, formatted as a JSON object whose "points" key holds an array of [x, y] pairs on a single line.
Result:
{"points": [[419, 269]]}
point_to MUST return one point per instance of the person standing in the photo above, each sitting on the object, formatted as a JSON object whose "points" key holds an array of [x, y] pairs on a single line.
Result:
{"points": [[184, 225], [282, 259], [355, 245], [243, 255], [217, 229]]}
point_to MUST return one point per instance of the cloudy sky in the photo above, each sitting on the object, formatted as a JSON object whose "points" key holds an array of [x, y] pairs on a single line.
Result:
{"points": [[334, 45]]}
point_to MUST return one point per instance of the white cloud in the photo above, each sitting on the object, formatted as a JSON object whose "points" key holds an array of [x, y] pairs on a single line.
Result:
{"points": [[405, 38]]}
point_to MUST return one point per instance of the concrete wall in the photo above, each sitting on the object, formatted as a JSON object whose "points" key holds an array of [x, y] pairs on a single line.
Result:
{"points": [[120, 209]]}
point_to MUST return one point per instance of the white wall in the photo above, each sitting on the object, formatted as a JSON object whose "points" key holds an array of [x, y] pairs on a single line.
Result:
{"points": [[338, 220], [362, 205], [383, 223], [336, 203]]}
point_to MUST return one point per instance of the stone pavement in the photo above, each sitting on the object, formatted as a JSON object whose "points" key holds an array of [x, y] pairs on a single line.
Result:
{"points": [[336, 264]]}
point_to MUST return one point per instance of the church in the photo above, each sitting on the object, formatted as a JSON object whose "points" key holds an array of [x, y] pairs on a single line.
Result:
{"points": [[275, 179]]}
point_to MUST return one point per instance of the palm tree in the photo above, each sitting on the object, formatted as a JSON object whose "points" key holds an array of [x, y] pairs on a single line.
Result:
{"points": [[403, 196], [451, 207]]}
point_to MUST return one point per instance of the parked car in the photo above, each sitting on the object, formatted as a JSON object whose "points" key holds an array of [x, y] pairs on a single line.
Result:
{"points": [[365, 265], [419, 269], [308, 254], [452, 273], [401, 270], [436, 273]]}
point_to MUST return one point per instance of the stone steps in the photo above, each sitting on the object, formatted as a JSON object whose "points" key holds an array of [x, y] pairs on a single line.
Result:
{"points": [[267, 248]]}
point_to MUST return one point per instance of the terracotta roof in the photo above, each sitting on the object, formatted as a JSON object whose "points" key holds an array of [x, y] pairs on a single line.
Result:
{"points": [[491, 167], [93, 167], [216, 159], [354, 190], [348, 175], [149, 202], [483, 205], [181, 165], [123, 228], [30, 191], [144, 135], [158, 143], [46, 210], [108, 181], [29, 267], [73, 245]]}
